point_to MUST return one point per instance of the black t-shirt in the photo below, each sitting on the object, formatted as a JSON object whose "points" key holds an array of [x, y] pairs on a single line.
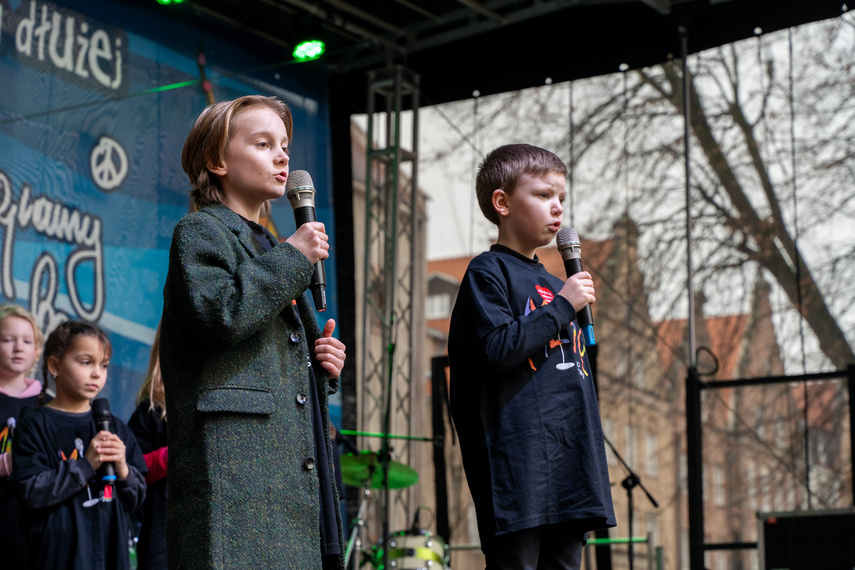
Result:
{"points": [[523, 400], [68, 521], [12, 542]]}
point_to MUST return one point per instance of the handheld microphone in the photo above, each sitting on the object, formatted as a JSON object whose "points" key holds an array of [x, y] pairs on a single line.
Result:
{"points": [[301, 194], [101, 415], [11, 423], [571, 251]]}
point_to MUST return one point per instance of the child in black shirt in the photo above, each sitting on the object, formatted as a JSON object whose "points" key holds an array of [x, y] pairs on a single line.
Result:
{"points": [[522, 397], [73, 519], [21, 343]]}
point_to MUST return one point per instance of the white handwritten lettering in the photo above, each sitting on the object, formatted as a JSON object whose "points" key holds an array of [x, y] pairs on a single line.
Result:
{"points": [[48, 34], [52, 219], [43, 299], [66, 60]]}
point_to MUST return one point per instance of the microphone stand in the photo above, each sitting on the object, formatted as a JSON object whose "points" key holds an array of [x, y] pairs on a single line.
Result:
{"points": [[358, 521], [385, 453], [629, 483]]}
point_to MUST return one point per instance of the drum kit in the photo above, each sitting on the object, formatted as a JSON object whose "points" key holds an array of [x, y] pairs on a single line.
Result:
{"points": [[407, 549]]}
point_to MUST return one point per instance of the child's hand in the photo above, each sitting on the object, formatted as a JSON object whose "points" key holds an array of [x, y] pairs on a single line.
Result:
{"points": [[579, 290], [329, 351], [311, 240], [106, 447]]}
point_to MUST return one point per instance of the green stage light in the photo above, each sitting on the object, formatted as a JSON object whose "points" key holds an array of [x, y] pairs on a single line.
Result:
{"points": [[168, 2], [311, 49]]}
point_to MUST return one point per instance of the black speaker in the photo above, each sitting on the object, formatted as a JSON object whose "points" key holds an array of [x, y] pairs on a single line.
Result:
{"points": [[807, 540]]}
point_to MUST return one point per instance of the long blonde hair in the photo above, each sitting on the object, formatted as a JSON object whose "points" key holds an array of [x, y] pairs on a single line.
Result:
{"points": [[152, 389]]}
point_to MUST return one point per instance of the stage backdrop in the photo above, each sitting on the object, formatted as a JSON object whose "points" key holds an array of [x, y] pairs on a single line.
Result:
{"points": [[96, 99]]}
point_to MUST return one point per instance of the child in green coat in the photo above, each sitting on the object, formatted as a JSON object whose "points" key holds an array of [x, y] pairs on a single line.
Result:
{"points": [[246, 368]]}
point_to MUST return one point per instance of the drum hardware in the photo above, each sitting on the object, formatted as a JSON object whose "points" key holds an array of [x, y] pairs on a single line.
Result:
{"points": [[414, 549], [364, 470], [358, 524]]}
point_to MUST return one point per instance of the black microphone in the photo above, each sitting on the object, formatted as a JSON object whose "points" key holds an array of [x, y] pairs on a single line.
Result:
{"points": [[301, 193], [571, 251], [11, 423], [101, 415]]}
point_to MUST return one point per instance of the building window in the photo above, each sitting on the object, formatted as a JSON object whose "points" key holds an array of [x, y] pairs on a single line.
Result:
{"points": [[760, 419], [652, 529], [630, 445], [438, 306], [751, 486], [781, 434], [651, 454], [755, 562], [765, 490], [609, 432], [718, 486], [638, 371]]}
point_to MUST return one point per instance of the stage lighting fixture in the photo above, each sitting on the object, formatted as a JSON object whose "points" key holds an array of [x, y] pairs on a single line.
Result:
{"points": [[310, 49], [168, 2]]}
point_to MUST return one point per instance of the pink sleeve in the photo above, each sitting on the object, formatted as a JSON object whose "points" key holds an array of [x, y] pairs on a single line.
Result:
{"points": [[156, 462], [5, 468]]}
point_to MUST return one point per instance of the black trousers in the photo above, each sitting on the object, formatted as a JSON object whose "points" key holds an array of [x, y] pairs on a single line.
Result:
{"points": [[547, 547]]}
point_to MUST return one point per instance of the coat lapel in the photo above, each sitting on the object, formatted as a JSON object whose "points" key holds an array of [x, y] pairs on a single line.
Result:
{"points": [[237, 226]]}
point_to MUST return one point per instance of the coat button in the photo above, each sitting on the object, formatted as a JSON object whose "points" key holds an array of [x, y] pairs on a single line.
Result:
{"points": [[309, 463], [302, 398], [296, 337]]}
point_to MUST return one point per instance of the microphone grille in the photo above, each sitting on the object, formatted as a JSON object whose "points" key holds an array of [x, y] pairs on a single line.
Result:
{"points": [[566, 237], [101, 408], [299, 179], [11, 423]]}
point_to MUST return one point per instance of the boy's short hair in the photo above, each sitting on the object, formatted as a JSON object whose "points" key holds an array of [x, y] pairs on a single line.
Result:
{"points": [[208, 138], [503, 168]]}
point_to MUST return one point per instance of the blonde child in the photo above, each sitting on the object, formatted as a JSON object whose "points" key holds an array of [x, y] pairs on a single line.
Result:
{"points": [[246, 367], [70, 521], [21, 342], [149, 426]]}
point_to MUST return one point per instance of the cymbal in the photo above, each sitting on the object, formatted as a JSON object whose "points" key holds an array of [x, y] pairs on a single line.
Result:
{"points": [[366, 469]]}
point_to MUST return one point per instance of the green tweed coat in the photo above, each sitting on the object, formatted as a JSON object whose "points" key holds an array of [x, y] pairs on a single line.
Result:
{"points": [[234, 351]]}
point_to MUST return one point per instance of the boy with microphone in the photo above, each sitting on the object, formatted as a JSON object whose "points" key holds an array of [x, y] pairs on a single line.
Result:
{"points": [[522, 396]]}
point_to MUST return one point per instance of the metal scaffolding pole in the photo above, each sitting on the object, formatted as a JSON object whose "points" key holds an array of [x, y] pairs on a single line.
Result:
{"points": [[393, 278]]}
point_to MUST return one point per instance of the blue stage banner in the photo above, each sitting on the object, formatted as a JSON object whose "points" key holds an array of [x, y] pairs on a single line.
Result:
{"points": [[96, 99]]}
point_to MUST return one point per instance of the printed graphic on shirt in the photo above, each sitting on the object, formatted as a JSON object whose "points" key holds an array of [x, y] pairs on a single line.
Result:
{"points": [[571, 349], [106, 494], [6, 440]]}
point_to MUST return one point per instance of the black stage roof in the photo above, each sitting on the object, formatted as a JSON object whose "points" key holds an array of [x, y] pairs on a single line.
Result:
{"points": [[458, 46]]}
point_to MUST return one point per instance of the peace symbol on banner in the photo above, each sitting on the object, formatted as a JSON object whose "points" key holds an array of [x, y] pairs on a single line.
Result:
{"points": [[109, 164]]}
